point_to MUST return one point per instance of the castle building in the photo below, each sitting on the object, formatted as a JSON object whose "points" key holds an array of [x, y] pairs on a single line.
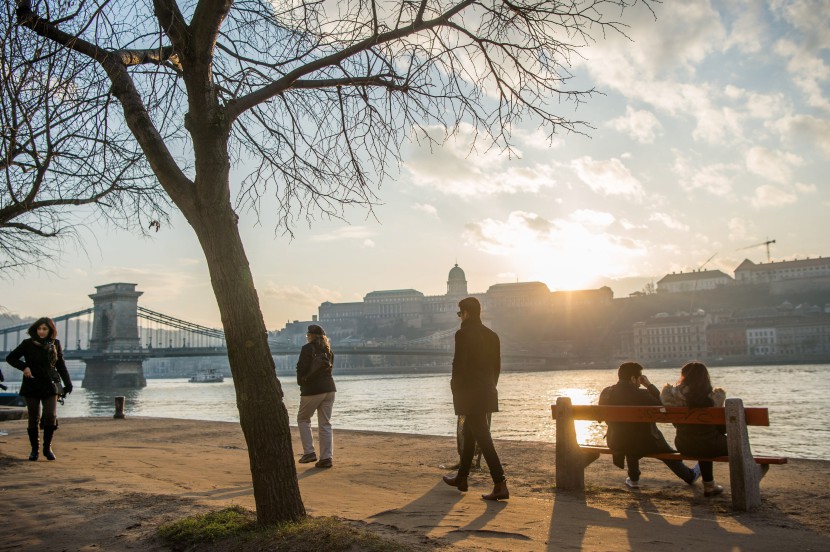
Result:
{"points": [[698, 280], [410, 308]]}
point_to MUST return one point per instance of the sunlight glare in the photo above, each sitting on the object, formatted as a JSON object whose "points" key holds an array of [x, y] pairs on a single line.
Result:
{"points": [[587, 432]]}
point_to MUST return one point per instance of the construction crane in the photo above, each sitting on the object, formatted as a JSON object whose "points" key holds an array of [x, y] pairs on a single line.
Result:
{"points": [[766, 243]]}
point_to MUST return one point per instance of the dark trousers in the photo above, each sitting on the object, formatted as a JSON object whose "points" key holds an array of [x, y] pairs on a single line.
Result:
{"points": [[476, 431], [706, 472], [679, 468], [49, 418]]}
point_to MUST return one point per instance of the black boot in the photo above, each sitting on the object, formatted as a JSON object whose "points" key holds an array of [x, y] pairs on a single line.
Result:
{"points": [[500, 492], [47, 442], [34, 440], [459, 481]]}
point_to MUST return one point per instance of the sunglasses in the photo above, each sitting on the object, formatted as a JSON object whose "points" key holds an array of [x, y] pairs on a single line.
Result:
{"points": [[459, 314]]}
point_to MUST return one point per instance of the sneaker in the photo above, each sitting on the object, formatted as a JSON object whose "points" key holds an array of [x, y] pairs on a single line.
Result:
{"points": [[324, 463], [631, 483], [308, 458], [695, 474], [711, 489]]}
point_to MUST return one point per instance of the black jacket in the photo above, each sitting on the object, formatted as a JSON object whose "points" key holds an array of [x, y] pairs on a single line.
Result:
{"points": [[476, 366], [321, 382], [36, 358], [633, 439]]}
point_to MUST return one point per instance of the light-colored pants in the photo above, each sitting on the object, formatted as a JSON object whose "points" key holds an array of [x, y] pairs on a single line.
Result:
{"points": [[322, 404]]}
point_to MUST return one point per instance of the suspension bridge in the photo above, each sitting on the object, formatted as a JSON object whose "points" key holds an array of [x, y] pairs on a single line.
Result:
{"points": [[116, 335]]}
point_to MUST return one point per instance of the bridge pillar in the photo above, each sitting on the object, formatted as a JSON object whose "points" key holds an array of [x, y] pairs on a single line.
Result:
{"points": [[117, 359]]}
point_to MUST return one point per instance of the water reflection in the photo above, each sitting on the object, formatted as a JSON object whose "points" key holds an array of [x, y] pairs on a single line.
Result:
{"points": [[423, 403], [101, 402]]}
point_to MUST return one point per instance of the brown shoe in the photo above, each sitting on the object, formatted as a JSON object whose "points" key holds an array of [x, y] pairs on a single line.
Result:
{"points": [[459, 483], [500, 492]]}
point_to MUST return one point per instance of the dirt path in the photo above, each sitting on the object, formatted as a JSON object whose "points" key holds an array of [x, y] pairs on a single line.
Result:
{"points": [[116, 480]]}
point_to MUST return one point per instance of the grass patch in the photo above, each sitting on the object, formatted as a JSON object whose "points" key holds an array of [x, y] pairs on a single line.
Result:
{"points": [[235, 528], [210, 527]]}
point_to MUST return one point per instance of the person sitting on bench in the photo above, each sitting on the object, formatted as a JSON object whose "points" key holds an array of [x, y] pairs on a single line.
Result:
{"points": [[631, 441], [703, 441]]}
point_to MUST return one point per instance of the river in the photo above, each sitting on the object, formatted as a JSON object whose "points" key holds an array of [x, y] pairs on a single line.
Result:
{"points": [[796, 396]]}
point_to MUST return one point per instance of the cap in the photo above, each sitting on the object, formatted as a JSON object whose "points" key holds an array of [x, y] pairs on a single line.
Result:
{"points": [[314, 329]]}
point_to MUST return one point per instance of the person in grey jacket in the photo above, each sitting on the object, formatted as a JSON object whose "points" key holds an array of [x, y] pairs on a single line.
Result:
{"points": [[476, 366], [317, 392], [40, 358]]}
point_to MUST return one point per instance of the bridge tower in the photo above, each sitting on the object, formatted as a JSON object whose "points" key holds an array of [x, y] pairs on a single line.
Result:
{"points": [[117, 358]]}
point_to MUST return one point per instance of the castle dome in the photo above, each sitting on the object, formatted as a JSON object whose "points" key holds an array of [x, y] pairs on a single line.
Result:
{"points": [[456, 281]]}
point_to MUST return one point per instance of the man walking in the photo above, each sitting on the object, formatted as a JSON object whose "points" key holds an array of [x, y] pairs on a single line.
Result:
{"points": [[475, 372], [631, 441]]}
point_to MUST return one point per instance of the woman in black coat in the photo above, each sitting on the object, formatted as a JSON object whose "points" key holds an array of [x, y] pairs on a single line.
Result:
{"points": [[40, 358], [317, 392]]}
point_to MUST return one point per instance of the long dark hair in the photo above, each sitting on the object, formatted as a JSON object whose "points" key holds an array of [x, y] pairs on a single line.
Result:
{"points": [[694, 379], [49, 323]]}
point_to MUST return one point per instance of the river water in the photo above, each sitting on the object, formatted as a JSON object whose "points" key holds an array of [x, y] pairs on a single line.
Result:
{"points": [[795, 395]]}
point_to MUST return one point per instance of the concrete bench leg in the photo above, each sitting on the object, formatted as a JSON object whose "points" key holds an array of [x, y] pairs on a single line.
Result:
{"points": [[570, 459], [744, 474]]}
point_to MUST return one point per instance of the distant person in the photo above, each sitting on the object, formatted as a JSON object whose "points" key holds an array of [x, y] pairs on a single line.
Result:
{"points": [[475, 372], [40, 358], [631, 441], [317, 392], [702, 441]]}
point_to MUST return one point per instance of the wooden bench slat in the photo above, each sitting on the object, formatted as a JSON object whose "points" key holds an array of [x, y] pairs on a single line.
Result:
{"points": [[755, 416], [678, 456]]}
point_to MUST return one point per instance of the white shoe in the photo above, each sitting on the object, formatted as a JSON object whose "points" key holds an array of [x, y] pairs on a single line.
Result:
{"points": [[631, 483], [711, 489]]}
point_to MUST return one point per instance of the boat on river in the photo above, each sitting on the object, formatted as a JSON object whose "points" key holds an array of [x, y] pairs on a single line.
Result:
{"points": [[207, 376], [11, 399]]}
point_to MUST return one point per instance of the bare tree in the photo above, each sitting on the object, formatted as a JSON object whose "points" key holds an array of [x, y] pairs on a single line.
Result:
{"points": [[63, 158], [318, 96]]}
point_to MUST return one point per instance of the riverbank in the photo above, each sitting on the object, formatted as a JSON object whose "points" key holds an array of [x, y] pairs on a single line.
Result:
{"points": [[115, 481]]}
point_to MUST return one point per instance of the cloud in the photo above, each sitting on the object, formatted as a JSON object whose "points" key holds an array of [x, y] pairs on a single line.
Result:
{"points": [[537, 139], [468, 165], [773, 165], [641, 125], [739, 229], [805, 128], [344, 233], [770, 196], [668, 221], [368, 243], [804, 51], [757, 105], [608, 177], [566, 252], [306, 296], [715, 179], [590, 217], [158, 282], [426, 208]]}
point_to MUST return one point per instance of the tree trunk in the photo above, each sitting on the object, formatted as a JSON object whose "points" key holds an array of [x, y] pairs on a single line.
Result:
{"points": [[262, 413]]}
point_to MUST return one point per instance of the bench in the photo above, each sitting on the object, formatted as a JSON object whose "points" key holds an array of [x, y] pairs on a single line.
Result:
{"points": [[745, 470]]}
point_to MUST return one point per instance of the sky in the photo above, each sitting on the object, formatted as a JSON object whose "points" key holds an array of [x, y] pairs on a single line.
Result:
{"points": [[712, 136]]}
